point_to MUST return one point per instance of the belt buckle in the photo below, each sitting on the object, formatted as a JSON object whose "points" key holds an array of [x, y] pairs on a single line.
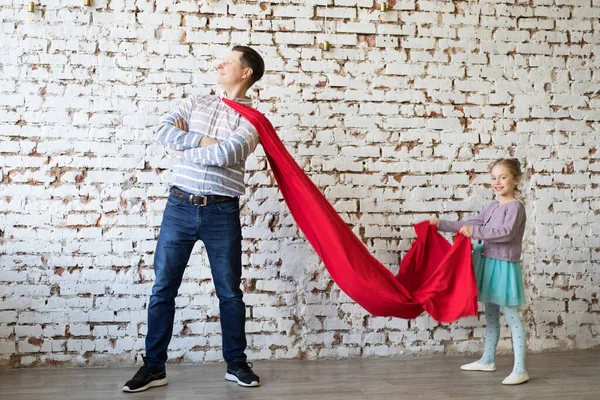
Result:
{"points": [[204, 201]]}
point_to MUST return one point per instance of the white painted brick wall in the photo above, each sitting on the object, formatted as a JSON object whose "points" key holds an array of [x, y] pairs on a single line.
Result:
{"points": [[396, 123]]}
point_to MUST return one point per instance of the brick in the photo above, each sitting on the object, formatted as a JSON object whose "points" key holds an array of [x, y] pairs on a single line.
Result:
{"points": [[293, 11]]}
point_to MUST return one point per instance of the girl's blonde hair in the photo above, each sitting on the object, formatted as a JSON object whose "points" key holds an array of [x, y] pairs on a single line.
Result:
{"points": [[513, 165]]}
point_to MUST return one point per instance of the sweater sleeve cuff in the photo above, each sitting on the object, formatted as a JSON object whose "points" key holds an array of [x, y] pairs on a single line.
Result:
{"points": [[476, 234]]}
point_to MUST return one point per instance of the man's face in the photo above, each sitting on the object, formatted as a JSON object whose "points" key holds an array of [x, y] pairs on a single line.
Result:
{"points": [[230, 70]]}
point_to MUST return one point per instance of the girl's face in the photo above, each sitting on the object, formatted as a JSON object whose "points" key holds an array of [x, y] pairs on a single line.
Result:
{"points": [[503, 182]]}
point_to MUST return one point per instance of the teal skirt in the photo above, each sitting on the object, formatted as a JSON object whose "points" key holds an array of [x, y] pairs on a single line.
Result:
{"points": [[498, 282]]}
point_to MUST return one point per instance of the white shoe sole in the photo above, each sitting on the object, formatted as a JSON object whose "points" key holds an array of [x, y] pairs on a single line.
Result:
{"points": [[478, 367], [158, 382], [233, 378], [521, 378]]}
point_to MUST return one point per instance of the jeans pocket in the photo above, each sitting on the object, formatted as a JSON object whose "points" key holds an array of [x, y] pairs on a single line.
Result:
{"points": [[226, 207], [174, 201]]}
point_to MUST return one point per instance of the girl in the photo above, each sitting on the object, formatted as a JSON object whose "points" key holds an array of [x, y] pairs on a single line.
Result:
{"points": [[497, 267]]}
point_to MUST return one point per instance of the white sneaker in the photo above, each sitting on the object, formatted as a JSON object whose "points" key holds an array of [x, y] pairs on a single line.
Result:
{"points": [[515, 379], [477, 366]]}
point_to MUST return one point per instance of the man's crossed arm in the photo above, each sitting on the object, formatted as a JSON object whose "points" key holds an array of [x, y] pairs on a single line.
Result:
{"points": [[201, 149]]}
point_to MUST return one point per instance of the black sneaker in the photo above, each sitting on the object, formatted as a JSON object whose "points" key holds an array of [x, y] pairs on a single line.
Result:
{"points": [[146, 378], [242, 374]]}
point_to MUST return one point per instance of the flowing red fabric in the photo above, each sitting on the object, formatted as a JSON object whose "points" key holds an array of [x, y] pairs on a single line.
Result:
{"points": [[434, 276]]}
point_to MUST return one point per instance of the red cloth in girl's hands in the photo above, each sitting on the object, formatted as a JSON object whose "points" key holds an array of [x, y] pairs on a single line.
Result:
{"points": [[439, 276], [434, 276]]}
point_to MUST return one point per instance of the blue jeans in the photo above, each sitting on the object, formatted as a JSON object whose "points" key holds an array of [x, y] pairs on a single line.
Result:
{"points": [[218, 226]]}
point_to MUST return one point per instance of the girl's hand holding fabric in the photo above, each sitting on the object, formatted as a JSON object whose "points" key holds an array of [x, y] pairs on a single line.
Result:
{"points": [[466, 230], [435, 222]]}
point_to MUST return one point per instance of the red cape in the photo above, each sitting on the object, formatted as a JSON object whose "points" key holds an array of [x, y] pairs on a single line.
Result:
{"points": [[434, 276]]}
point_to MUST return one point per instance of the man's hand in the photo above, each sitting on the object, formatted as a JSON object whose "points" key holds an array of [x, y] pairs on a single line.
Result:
{"points": [[206, 141], [466, 230], [181, 124]]}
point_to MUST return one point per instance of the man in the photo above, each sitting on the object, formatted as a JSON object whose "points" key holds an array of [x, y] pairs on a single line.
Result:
{"points": [[212, 142]]}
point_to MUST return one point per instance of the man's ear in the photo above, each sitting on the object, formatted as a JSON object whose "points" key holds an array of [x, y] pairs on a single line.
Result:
{"points": [[247, 73]]}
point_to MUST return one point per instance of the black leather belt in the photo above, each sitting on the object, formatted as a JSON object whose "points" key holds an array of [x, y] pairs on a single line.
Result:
{"points": [[199, 200]]}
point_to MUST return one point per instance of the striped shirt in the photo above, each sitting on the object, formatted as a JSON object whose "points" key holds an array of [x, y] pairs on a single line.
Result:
{"points": [[216, 169]]}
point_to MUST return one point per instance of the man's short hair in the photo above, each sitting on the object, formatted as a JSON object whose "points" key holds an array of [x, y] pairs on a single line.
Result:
{"points": [[251, 59]]}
